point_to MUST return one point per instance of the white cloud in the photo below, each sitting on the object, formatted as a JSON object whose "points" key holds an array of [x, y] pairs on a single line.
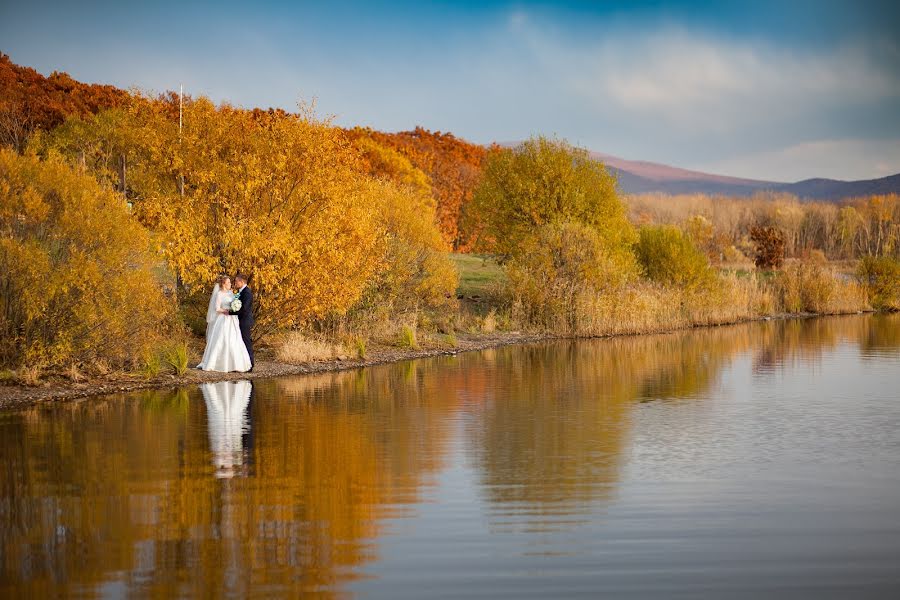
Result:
{"points": [[690, 80]]}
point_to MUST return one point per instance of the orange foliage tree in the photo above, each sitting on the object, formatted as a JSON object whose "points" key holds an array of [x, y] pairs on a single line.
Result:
{"points": [[30, 101], [282, 196], [452, 166]]}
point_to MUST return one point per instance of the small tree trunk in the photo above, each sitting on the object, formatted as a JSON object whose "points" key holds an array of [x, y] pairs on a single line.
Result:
{"points": [[122, 173]]}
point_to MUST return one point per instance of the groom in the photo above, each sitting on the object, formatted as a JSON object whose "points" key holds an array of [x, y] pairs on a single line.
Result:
{"points": [[245, 314]]}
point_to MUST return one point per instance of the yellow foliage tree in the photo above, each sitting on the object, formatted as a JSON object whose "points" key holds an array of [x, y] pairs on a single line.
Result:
{"points": [[417, 271], [557, 268], [279, 196], [76, 284], [545, 182]]}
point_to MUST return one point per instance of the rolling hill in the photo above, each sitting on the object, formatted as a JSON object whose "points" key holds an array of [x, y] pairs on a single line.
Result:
{"points": [[637, 177]]}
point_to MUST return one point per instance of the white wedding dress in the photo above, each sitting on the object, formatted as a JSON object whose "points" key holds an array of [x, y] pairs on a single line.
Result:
{"points": [[225, 350]]}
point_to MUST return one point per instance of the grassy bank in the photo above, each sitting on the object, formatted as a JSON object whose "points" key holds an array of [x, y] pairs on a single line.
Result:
{"points": [[486, 318]]}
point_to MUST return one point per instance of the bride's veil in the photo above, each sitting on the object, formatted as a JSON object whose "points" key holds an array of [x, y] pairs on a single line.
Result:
{"points": [[213, 305]]}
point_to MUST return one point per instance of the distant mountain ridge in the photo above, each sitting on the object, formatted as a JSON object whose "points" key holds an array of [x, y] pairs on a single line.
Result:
{"points": [[638, 177]]}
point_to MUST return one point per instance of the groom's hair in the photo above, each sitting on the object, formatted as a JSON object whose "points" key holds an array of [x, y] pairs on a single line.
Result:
{"points": [[242, 277]]}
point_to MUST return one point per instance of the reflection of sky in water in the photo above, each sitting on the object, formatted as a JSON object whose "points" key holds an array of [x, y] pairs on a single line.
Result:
{"points": [[738, 460]]}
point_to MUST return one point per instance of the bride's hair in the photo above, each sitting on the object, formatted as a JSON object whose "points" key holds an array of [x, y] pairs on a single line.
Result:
{"points": [[221, 279]]}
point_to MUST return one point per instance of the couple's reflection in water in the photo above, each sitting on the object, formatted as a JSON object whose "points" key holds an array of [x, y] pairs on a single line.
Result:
{"points": [[229, 407]]}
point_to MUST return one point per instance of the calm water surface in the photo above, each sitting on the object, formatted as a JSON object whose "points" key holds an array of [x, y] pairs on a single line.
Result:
{"points": [[749, 461]]}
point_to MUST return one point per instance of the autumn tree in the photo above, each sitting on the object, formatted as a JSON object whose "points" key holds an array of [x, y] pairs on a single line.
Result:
{"points": [[311, 216], [545, 182], [272, 194], [670, 256], [416, 271], [558, 267], [29, 101], [76, 285], [769, 243], [451, 165], [881, 277]]}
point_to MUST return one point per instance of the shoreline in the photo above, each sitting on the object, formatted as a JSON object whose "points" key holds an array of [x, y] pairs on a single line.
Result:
{"points": [[14, 397]]}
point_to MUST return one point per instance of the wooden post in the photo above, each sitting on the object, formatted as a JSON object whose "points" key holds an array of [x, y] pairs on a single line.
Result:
{"points": [[180, 125]]}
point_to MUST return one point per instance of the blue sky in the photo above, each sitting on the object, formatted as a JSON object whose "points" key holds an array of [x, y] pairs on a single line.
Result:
{"points": [[771, 90]]}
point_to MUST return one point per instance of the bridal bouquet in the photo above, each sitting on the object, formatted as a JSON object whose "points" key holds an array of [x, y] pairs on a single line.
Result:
{"points": [[236, 304]]}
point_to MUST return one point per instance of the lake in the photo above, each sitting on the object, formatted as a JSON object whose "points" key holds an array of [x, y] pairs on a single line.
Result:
{"points": [[758, 460]]}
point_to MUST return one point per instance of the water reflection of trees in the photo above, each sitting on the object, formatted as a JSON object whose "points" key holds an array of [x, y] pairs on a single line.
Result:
{"points": [[549, 438], [882, 335], [805, 341], [553, 424], [125, 490]]}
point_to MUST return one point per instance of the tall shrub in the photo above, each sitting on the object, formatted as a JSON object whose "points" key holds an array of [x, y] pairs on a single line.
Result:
{"points": [[881, 277], [559, 268], [769, 242], [75, 269], [669, 256]]}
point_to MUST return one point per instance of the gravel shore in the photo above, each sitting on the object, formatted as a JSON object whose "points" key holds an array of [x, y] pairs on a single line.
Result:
{"points": [[16, 396]]}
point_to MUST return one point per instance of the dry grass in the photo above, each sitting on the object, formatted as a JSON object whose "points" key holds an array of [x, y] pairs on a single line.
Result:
{"points": [[810, 286], [29, 375], [73, 373], [489, 322], [296, 348], [646, 307]]}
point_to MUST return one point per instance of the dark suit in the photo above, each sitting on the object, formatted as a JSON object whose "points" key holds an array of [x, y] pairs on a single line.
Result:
{"points": [[245, 319]]}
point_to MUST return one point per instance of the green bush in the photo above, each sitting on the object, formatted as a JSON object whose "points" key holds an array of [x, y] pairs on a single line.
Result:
{"points": [[152, 365], [881, 277], [668, 256], [176, 356], [408, 338]]}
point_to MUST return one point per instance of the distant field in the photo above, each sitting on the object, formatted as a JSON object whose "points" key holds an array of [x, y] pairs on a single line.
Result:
{"points": [[478, 274]]}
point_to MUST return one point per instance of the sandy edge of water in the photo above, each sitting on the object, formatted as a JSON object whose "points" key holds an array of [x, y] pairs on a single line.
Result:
{"points": [[14, 397]]}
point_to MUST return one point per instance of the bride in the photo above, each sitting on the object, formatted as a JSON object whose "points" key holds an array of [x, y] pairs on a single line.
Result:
{"points": [[225, 350]]}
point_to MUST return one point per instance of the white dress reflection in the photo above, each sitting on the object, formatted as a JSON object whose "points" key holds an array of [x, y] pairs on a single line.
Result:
{"points": [[228, 422]]}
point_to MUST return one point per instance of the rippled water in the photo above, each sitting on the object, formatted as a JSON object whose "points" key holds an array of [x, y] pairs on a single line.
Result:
{"points": [[748, 461]]}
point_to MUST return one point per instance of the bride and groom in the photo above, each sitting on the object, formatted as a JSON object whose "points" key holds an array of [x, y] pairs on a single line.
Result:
{"points": [[229, 320]]}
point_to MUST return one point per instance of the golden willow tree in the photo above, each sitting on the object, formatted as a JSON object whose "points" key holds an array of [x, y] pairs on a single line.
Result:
{"points": [[283, 197]]}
